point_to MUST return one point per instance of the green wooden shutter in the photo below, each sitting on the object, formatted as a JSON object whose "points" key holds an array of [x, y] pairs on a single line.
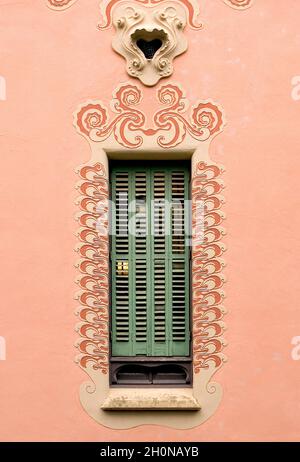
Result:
{"points": [[150, 267]]}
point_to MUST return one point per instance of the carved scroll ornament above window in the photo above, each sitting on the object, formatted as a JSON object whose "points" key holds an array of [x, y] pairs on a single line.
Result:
{"points": [[149, 38], [131, 128], [149, 33], [106, 5]]}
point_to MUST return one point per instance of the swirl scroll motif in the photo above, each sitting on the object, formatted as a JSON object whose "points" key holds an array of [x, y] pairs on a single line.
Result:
{"points": [[60, 4], [92, 119], [108, 5], [191, 6], [207, 267], [205, 121], [171, 126], [239, 4], [93, 249]]}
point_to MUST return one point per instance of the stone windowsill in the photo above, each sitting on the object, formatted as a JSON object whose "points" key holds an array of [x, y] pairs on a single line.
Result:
{"points": [[128, 399]]}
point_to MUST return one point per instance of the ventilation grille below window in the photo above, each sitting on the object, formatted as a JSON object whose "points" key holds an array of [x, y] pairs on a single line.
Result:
{"points": [[150, 374]]}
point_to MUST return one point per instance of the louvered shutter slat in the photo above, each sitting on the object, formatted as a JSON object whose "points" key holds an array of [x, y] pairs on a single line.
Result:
{"points": [[150, 270]]}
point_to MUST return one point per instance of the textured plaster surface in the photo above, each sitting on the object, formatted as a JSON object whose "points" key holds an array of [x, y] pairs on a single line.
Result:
{"points": [[245, 60]]}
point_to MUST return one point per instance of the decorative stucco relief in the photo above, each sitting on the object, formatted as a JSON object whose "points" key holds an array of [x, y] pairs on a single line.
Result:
{"points": [[207, 266], [149, 38], [239, 4], [129, 130], [130, 127], [60, 4], [149, 33], [93, 266], [191, 6]]}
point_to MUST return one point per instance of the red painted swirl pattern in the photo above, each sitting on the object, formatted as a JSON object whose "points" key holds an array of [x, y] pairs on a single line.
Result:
{"points": [[207, 266], [93, 265], [171, 125]]}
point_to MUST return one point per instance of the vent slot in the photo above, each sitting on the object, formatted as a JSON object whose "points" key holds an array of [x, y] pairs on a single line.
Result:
{"points": [[149, 47], [151, 374], [149, 42]]}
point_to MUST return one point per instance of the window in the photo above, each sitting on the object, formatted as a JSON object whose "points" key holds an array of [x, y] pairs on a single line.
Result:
{"points": [[150, 274]]}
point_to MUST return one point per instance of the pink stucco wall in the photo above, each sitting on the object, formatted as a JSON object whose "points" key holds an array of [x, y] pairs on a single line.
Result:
{"points": [[52, 61]]}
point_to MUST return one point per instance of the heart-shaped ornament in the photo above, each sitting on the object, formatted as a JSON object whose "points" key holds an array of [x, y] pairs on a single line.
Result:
{"points": [[149, 47]]}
